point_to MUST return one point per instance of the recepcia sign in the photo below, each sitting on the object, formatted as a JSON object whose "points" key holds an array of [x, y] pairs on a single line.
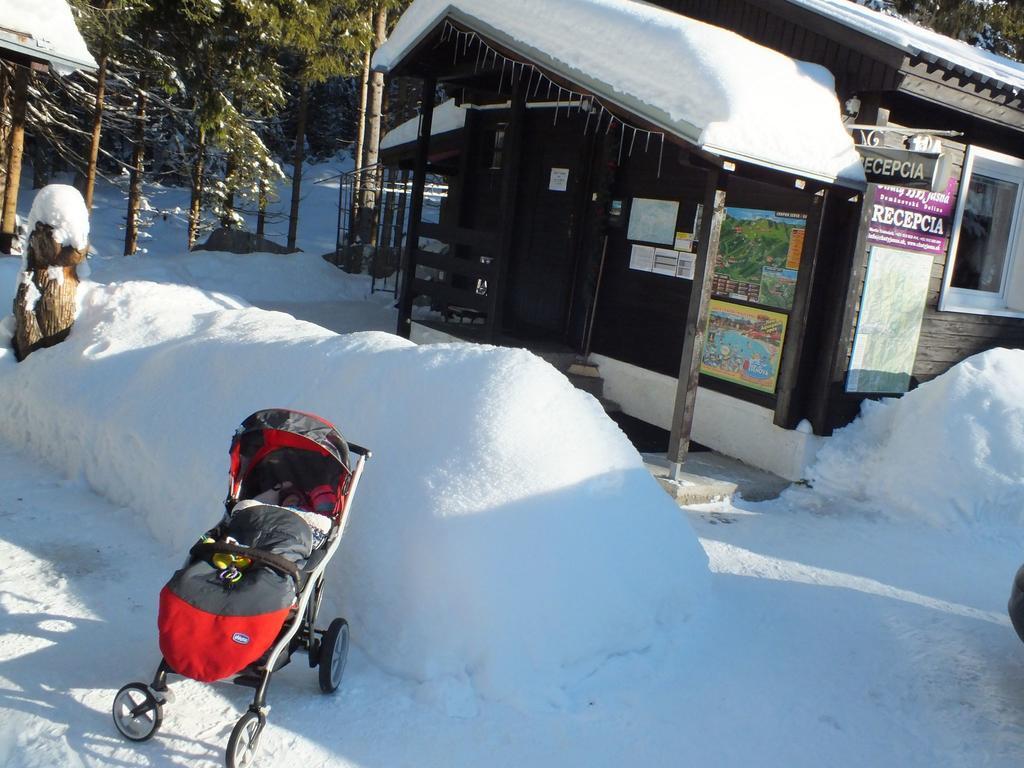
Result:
{"points": [[912, 219], [898, 167]]}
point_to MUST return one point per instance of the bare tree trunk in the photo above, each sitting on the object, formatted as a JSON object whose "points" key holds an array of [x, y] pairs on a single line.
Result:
{"points": [[97, 124], [300, 153], [227, 218], [196, 203], [131, 230], [368, 204], [380, 32], [364, 84], [261, 216], [17, 146], [360, 147], [44, 305], [5, 127]]}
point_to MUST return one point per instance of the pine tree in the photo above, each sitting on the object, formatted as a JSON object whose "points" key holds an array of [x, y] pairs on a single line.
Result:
{"points": [[229, 81], [994, 26], [324, 39]]}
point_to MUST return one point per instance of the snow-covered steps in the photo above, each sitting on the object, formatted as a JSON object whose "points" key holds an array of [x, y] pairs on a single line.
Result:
{"points": [[582, 374]]}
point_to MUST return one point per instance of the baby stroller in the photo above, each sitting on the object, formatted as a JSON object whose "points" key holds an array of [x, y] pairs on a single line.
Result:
{"points": [[248, 596]]}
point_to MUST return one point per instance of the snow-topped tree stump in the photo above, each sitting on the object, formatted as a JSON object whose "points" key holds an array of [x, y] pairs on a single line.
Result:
{"points": [[58, 236]]}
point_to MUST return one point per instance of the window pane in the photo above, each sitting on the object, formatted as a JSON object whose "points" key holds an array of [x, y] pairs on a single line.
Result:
{"points": [[984, 234]]}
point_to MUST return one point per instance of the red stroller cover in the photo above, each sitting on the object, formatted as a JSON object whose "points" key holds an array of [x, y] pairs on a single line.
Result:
{"points": [[210, 627]]}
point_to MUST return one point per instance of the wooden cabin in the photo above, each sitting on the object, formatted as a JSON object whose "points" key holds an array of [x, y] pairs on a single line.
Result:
{"points": [[734, 295]]}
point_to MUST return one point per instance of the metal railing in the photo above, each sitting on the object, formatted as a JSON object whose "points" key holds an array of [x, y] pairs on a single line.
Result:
{"points": [[373, 219]]}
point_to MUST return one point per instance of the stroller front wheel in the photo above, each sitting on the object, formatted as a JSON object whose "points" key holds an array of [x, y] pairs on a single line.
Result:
{"points": [[333, 655], [137, 712], [245, 740]]}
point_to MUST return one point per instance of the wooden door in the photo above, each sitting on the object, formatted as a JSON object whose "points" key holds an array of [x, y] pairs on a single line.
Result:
{"points": [[542, 262]]}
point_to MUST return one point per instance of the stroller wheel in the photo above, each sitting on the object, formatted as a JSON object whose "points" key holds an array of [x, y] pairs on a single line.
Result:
{"points": [[333, 655], [137, 712], [245, 740]]}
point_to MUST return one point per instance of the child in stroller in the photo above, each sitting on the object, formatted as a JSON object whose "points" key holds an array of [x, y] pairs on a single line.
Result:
{"points": [[249, 594], [316, 507]]}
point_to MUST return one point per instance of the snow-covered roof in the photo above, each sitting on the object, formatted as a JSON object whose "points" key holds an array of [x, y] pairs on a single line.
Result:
{"points": [[918, 41], [44, 30], [707, 85], [447, 117]]}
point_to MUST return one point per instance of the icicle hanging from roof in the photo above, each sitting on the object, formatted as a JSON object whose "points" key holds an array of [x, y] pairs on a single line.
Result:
{"points": [[464, 39]]}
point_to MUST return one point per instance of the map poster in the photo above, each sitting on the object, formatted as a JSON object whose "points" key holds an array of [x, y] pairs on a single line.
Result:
{"points": [[778, 287], [759, 255], [743, 345], [889, 323], [653, 221]]}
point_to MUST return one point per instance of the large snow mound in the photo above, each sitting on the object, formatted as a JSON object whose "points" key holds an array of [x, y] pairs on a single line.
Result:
{"points": [[950, 452], [505, 540]]}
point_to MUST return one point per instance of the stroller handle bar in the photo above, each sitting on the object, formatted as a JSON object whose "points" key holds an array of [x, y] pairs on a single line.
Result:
{"points": [[364, 452]]}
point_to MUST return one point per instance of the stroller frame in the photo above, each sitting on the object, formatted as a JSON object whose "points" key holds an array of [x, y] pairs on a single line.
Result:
{"points": [[299, 632]]}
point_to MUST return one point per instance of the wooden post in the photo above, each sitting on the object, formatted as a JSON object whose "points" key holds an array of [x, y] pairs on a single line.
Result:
{"points": [[419, 183], [839, 298], [17, 145], [401, 230], [788, 411], [46, 320], [512, 154], [697, 318]]}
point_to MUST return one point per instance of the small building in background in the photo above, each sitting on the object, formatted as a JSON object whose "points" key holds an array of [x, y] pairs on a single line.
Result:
{"points": [[745, 218]]}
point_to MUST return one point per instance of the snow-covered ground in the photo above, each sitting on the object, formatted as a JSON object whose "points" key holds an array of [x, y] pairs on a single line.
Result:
{"points": [[521, 592]]}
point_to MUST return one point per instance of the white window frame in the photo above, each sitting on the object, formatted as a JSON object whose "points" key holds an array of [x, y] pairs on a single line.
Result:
{"points": [[1009, 300]]}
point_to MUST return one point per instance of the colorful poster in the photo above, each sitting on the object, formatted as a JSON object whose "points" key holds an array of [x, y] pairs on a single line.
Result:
{"points": [[912, 219], [889, 322], [653, 221], [744, 345], [756, 246]]}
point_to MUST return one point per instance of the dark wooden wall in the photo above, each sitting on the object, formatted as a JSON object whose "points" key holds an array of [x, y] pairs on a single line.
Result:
{"points": [[641, 316]]}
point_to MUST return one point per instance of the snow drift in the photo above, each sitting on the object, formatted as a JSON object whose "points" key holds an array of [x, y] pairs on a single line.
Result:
{"points": [[505, 540], [949, 452]]}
